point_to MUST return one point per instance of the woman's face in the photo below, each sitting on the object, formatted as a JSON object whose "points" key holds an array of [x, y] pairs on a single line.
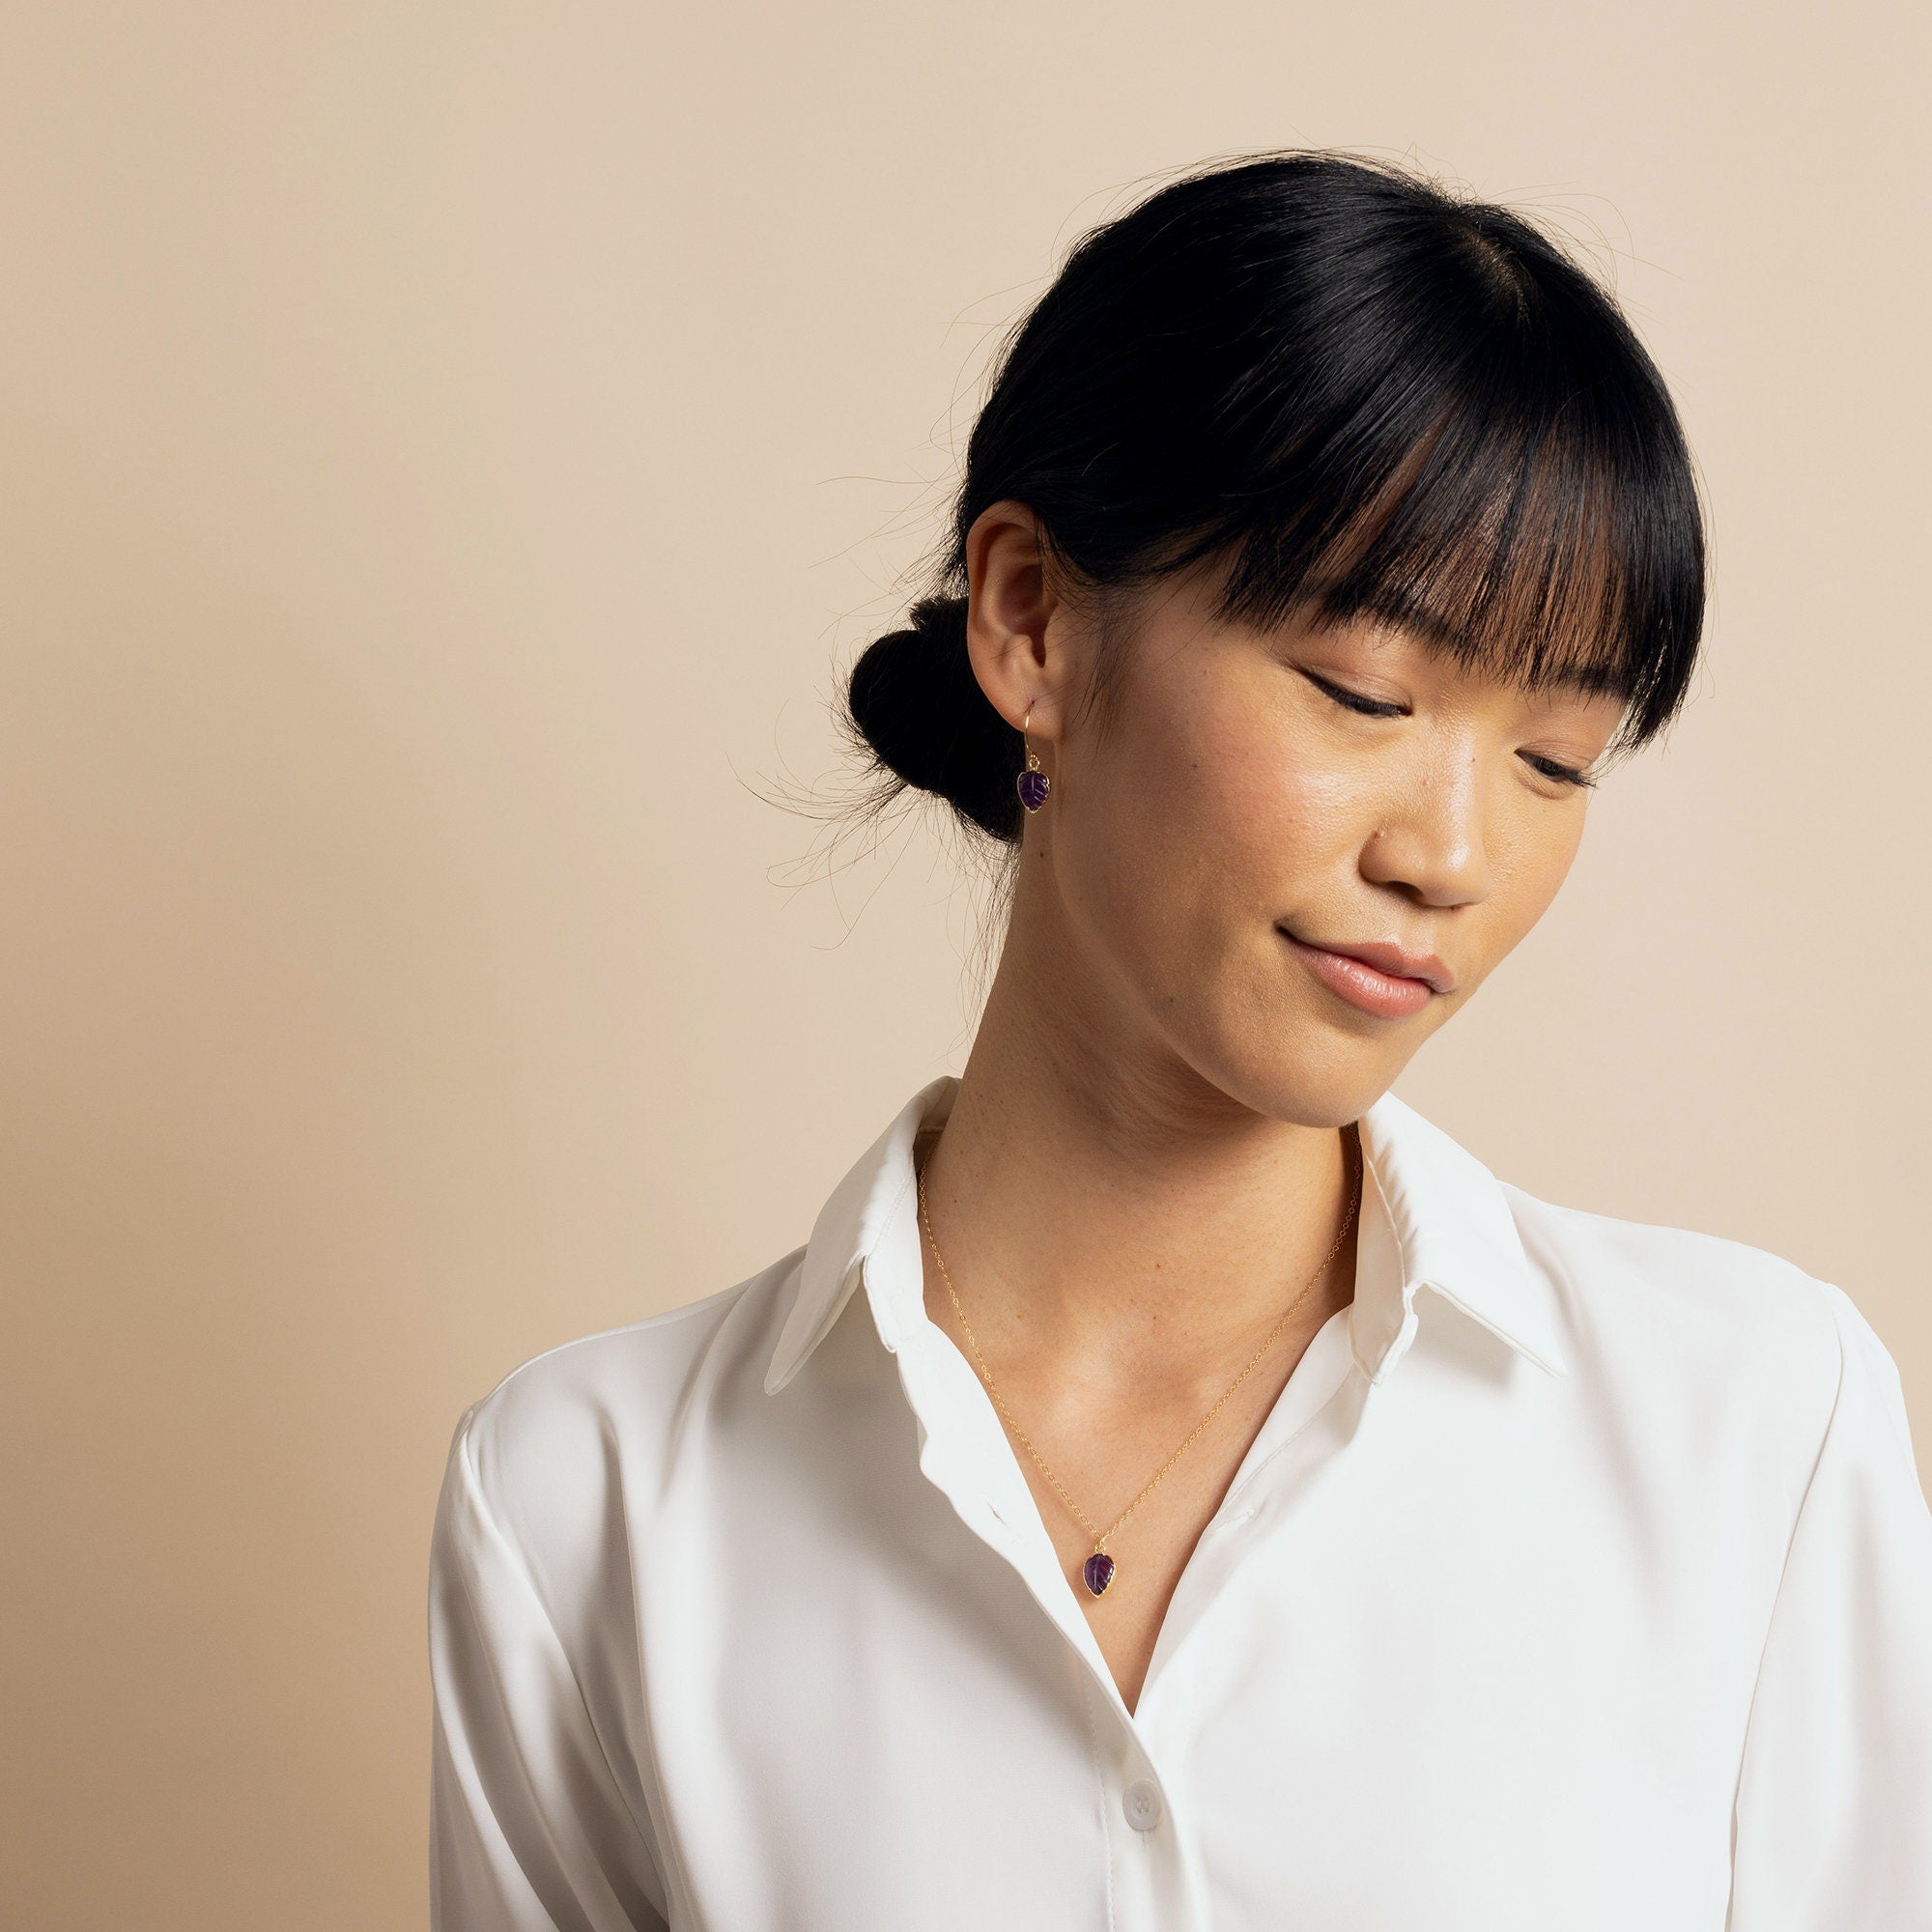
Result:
{"points": [[1256, 802]]}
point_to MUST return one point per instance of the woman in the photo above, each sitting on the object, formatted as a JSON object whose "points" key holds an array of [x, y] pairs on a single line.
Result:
{"points": [[1176, 1486]]}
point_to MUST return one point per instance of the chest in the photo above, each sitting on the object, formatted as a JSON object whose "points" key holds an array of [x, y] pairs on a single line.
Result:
{"points": [[1147, 1481], [1137, 1470], [1456, 1690]]}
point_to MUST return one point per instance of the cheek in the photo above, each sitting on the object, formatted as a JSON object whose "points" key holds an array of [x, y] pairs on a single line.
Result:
{"points": [[1270, 804], [1536, 861], [1193, 835], [1531, 850]]}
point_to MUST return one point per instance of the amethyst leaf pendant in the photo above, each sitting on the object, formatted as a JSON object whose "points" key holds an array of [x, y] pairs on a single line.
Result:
{"points": [[1099, 1572]]}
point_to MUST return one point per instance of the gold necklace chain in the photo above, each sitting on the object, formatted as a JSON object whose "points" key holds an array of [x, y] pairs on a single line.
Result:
{"points": [[1099, 1567]]}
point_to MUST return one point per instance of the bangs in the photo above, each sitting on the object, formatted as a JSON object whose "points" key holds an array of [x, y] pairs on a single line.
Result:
{"points": [[1526, 529]]}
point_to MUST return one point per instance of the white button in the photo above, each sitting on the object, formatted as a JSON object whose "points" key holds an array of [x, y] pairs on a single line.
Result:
{"points": [[1143, 1806]]}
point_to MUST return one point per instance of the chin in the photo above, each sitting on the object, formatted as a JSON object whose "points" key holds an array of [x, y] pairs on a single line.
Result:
{"points": [[1326, 1080], [1328, 1102]]}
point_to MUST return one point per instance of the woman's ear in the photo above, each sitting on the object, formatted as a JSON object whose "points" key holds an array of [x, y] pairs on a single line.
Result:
{"points": [[1024, 659]]}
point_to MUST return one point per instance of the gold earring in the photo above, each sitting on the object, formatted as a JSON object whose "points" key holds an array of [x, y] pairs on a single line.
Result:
{"points": [[1034, 783]]}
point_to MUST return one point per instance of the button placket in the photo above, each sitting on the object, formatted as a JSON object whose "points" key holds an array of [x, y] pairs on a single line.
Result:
{"points": [[1151, 1884]]}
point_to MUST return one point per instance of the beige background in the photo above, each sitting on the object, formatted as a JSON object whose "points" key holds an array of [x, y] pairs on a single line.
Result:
{"points": [[448, 454]]}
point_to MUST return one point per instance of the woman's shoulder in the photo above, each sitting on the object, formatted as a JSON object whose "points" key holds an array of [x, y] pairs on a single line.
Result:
{"points": [[1711, 1316], [1714, 1342], [1681, 1265], [549, 1446]]}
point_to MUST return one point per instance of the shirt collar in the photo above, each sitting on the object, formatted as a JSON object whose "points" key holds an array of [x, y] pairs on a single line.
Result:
{"points": [[1432, 1216]]}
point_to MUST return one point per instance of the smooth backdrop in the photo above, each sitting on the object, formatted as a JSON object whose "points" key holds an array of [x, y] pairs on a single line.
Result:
{"points": [[450, 452]]}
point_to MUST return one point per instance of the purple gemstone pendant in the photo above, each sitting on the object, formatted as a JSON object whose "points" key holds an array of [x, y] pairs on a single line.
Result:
{"points": [[1100, 1572], [1032, 788]]}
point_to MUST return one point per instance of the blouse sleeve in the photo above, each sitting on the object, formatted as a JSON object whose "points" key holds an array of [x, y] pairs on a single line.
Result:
{"points": [[1833, 1826], [530, 1829]]}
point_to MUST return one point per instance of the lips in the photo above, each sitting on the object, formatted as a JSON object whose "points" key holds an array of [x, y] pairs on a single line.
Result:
{"points": [[1380, 977]]}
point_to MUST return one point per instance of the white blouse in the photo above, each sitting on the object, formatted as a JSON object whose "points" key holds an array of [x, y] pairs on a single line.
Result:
{"points": [[1589, 1589]]}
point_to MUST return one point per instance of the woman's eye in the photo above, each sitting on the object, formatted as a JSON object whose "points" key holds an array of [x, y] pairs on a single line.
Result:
{"points": [[1563, 774], [1377, 707], [1354, 700]]}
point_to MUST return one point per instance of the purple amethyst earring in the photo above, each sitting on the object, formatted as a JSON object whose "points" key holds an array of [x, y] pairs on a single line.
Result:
{"points": [[1034, 783]]}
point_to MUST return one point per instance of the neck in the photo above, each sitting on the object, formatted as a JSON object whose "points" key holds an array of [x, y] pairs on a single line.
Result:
{"points": [[1095, 1199]]}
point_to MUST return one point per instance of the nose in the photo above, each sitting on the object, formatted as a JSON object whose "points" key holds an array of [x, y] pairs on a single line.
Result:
{"points": [[1429, 842]]}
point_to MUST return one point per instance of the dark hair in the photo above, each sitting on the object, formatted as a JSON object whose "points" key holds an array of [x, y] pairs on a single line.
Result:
{"points": [[1375, 396]]}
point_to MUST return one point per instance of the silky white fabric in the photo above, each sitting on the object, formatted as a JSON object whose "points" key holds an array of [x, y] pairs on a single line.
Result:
{"points": [[1579, 1580]]}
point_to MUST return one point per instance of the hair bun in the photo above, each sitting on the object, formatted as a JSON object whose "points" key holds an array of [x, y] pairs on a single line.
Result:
{"points": [[914, 699]]}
